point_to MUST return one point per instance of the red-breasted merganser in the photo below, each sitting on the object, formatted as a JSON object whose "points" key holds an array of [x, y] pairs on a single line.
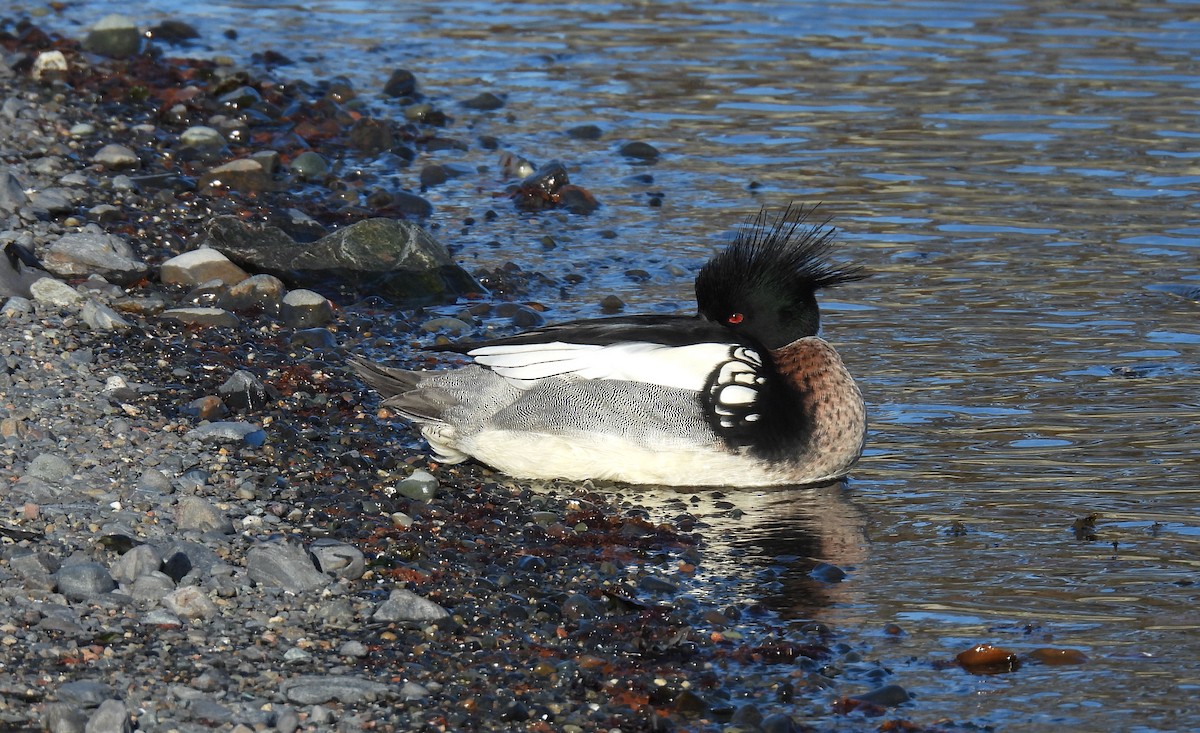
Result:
{"points": [[742, 394]]}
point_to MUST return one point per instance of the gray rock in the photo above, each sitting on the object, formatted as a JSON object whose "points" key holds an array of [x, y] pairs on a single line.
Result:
{"points": [[61, 717], [84, 693], [338, 558], [136, 562], [306, 309], [637, 150], [283, 565], [151, 587], [87, 252], [49, 467], [229, 432], [200, 266], [413, 691], [102, 318], [188, 559], [201, 316], [484, 101], [397, 260], [16, 306], [319, 689], [244, 392], [54, 292], [314, 338], [353, 649], [287, 720], [888, 696], [115, 36], [201, 137], [309, 166], [420, 485], [110, 717], [404, 605], [34, 564], [117, 157], [446, 323], [12, 194], [210, 712], [84, 580], [245, 174], [189, 602], [194, 512], [52, 201], [258, 292]]}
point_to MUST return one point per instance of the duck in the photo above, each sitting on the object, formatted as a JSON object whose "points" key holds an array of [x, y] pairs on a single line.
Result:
{"points": [[742, 393]]}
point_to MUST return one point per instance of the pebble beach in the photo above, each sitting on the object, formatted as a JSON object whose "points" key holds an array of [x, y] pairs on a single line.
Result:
{"points": [[208, 524]]}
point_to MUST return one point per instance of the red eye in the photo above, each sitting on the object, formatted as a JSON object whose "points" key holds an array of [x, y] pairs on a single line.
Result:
{"points": [[734, 319]]}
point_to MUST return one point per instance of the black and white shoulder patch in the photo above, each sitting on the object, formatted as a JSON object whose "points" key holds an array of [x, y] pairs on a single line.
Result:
{"points": [[735, 391]]}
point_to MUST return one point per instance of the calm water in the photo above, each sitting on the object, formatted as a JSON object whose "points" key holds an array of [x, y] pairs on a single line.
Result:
{"points": [[1015, 175]]}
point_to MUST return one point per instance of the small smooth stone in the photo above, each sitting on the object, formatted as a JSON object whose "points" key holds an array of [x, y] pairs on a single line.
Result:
{"points": [[151, 587], [111, 717], [1047, 655], [484, 101], [640, 151], [888, 696], [201, 316], [987, 659], [102, 318], [117, 157], [189, 602], [585, 132], [138, 561], [283, 565], [55, 292], [195, 512], [208, 407], [306, 309], [404, 605], [201, 266], [81, 581], [612, 304], [115, 36], [309, 166], [201, 136], [446, 323], [229, 432], [402, 83], [338, 558], [62, 717], [49, 467], [84, 693], [420, 485], [244, 174], [319, 689], [314, 338], [49, 65], [244, 392], [263, 292]]}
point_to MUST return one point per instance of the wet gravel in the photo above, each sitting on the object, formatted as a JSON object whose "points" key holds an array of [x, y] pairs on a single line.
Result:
{"points": [[207, 525]]}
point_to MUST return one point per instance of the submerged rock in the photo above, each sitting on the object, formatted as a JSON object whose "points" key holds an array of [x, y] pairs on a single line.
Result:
{"points": [[396, 260]]}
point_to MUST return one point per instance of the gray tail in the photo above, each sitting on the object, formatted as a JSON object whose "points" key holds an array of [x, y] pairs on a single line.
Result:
{"points": [[402, 391], [386, 381]]}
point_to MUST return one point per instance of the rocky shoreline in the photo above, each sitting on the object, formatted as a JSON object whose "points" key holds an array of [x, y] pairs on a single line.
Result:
{"points": [[208, 527]]}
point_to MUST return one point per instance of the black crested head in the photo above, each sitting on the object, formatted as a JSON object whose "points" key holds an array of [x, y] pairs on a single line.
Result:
{"points": [[764, 284]]}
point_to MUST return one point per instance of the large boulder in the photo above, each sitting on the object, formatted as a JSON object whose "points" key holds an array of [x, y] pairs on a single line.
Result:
{"points": [[396, 260]]}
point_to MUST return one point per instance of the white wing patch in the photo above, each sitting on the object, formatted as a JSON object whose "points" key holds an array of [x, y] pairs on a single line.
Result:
{"points": [[683, 367]]}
